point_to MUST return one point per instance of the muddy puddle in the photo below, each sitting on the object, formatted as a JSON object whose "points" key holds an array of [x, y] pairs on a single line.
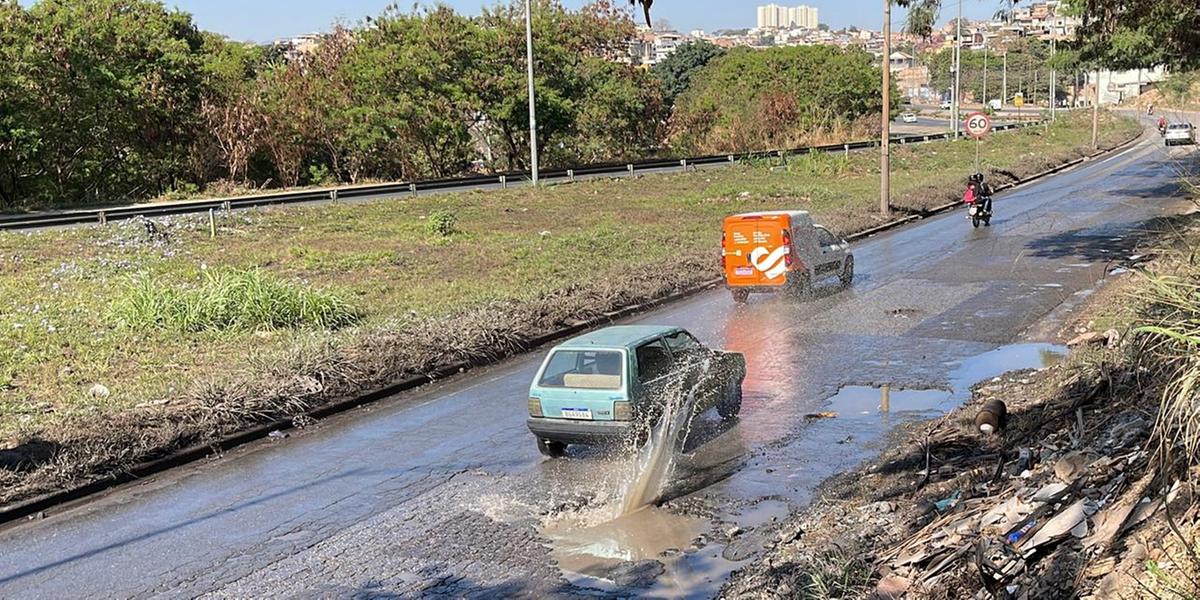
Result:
{"points": [[628, 544]]}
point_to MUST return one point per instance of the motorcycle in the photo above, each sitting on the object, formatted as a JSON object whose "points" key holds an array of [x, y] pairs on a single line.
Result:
{"points": [[1162, 129], [979, 212]]}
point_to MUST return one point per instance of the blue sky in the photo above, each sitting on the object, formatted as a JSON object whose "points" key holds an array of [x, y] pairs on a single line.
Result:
{"points": [[264, 20]]}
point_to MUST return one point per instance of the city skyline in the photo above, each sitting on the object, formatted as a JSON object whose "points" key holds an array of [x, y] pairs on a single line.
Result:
{"points": [[775, 15], [267, 20]]}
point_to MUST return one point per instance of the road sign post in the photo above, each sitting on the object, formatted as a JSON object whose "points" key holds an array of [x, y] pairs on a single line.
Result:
{"points": [[977, 125]]}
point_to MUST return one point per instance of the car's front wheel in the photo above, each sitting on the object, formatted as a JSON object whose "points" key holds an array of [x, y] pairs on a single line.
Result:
{"points": [[731, 401], [551, 448], [847, 276]]}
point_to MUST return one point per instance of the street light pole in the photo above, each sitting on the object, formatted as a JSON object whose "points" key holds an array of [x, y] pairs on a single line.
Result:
{"points": [[1053, 80], [985, 72], [1004, 80], [954, 114], [533, 149], [885, 185]]}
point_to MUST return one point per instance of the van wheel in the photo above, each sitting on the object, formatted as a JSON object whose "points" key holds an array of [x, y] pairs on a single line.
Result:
{"points": [[731, 401], [800, 284], [551, 449], [740, 296], [847, 275]]}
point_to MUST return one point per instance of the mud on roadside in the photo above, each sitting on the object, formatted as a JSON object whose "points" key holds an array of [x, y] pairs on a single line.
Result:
{"points": [[1066, 501]]}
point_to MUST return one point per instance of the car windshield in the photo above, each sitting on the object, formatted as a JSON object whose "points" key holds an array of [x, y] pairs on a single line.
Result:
{"points": [[1180, 126], [583, 369]]}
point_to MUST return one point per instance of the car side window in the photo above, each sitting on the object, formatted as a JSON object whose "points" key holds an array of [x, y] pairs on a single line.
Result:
{"points": [[653, 361], [825, 238], [682, 342]]}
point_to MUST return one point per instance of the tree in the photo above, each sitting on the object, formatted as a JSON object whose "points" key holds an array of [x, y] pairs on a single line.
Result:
{"points": [[1128, 34], [676, 70], [774, 97]]}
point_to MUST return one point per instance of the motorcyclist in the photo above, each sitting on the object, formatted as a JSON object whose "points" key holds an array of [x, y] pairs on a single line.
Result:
{"points": [[1162, 124], [978, 191]]}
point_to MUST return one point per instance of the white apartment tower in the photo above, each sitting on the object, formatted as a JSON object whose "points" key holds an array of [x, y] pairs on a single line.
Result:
{"points": [[774, 16]]}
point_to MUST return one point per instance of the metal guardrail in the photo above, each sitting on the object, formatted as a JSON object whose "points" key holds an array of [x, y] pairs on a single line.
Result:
{"points": [[104, 215]]}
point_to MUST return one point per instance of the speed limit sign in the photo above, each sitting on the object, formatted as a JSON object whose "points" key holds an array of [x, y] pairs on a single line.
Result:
{"points": [[978, 125]]}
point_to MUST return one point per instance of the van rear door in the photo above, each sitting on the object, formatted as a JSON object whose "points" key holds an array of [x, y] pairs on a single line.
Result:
{"points": [[752, 252]]}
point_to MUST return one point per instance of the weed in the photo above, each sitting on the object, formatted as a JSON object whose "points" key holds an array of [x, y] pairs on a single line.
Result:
{"points": [[228, 299], [442, 223]]}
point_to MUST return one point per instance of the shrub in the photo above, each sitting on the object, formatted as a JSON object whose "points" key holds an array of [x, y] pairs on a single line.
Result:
{"points": [[442, 223], [229, 299]]}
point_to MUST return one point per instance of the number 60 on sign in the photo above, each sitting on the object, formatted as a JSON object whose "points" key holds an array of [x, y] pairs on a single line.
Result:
{"points": [[977, 125]]}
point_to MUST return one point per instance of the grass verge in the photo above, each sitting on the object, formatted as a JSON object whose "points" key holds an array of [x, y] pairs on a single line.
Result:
{"points": [[128, 341]]}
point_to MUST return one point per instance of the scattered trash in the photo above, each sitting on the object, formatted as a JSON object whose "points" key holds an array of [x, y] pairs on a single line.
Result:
{"points": [[98, 391], [948, 503], [992, 417], [277, 435]]}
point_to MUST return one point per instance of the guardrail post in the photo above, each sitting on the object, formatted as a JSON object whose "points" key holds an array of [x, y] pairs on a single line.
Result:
{"points": [[571, 175], [227, 207], [782, 157], [103, 218], [846, 149], [630, 167], [730, 158], [683, 164], [333, 195], [926, 138], [412, 187], [903, 141], [503, 182], [212, 222]]}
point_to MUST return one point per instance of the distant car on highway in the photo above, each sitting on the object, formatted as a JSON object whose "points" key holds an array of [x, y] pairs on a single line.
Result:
{"points": [[908, 118], [780, 251], [604, 385], [947, 105], [1180, 134]]}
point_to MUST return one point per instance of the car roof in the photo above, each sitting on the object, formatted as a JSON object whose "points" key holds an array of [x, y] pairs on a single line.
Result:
{"points": [[617, 336], [796, 216]]}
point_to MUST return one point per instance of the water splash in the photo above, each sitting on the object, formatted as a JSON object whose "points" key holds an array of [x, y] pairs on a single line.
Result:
{"points": [[656, 458]]}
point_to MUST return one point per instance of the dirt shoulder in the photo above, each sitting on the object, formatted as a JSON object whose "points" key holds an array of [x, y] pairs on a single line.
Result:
{"points": [[132, 341], [1070, 499]]}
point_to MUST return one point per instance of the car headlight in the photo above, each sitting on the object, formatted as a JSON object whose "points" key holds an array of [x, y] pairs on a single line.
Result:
{"points": [[535, 407], [622, 411]]}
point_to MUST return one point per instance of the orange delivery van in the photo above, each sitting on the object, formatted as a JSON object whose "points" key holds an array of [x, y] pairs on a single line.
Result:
{"points": [[780, 251]]}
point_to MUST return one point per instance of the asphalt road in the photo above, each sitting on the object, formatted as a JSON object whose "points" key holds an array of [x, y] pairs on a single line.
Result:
{"points": [[442, 491]]}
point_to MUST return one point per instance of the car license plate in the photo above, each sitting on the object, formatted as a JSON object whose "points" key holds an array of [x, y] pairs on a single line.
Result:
{"points": [[577, 413], [743, 271]]}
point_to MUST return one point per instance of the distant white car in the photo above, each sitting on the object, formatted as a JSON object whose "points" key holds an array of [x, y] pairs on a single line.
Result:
{"points": [[908, 118], [1180, 134], [947, 105]]}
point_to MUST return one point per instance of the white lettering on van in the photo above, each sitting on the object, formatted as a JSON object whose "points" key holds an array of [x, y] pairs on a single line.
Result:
{"points": [[770, 262]]}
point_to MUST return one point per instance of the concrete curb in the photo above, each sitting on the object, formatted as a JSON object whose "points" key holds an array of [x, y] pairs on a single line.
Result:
{"points": [[39, 504]]}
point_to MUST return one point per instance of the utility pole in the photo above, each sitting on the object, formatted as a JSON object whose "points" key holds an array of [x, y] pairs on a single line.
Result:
{"points": [[957, 70], [1004, 81], [533, 150], [1096, 112], [1053, 79], [985, 73], [885, 166]]}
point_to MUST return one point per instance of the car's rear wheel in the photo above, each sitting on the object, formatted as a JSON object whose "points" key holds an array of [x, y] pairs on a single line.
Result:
{"points": [[799, 283], [731, 401], [551, 448], [740, 296], [847, 275]]}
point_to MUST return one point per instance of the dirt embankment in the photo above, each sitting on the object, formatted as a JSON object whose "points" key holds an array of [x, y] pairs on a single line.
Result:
{"points": [[1075, 497], [320, 370]]}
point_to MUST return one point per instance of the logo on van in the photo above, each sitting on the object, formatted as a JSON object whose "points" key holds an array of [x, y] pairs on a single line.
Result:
{"points": [[771, 263]]}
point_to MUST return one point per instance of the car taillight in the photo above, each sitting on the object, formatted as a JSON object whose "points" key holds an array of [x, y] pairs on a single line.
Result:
{"points": [[622, 411], [722, 250], [787, 241], [535, 407]]}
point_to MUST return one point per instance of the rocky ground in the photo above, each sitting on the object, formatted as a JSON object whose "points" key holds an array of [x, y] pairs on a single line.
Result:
{"points": [[1069, 499]]}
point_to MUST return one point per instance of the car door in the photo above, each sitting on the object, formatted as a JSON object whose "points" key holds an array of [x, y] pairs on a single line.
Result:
{"points": [[697, 366], [831, 251], [656, 375]]}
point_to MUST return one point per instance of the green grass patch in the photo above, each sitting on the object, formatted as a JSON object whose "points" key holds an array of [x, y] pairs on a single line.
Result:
{"points": [[229, 300]]}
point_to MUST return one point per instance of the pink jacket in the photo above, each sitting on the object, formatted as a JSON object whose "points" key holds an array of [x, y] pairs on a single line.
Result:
{"points": [[969, 195]]}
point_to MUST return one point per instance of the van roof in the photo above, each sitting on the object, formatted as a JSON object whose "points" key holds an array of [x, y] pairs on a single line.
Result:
{"points": [[796, 216], [617, 336]]}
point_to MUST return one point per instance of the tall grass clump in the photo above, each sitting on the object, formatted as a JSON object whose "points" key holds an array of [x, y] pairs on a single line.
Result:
{"points": [[230, 300], [1171, 323]]}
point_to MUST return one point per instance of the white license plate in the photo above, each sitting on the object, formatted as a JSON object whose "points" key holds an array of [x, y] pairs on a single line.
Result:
{"points": [[743, 271], [576, 413]]}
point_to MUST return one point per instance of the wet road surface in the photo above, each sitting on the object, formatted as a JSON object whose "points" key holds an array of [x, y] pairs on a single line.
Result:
{"points": [[443, 492]]}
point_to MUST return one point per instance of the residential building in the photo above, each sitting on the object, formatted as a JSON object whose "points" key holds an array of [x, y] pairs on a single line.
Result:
{"points": [[774, 16]]}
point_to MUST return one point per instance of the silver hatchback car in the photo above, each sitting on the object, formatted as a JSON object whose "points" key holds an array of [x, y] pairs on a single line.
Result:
{"points": [[1180, 134]]}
